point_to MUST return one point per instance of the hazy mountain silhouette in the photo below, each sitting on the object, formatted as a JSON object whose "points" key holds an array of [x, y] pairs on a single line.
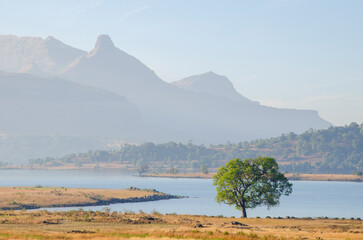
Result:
{"points": [[110, 68], [199, 111], [35, 55], [47, 106], [207, 115], [212, 83]]}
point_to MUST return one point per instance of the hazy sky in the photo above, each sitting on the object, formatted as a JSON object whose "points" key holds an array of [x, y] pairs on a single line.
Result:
{"points": [[286, 53]]}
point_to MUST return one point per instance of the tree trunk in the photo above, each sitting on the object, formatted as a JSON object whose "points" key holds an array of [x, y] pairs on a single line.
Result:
{"points": [[244, 214]]}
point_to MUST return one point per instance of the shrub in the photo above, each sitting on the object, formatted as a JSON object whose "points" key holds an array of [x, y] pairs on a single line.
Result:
{"points": [[154, 212], [128, 211], [241, 233], [106, 210]]}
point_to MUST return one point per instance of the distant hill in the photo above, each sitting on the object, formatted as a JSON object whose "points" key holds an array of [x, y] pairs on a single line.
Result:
{"points": [[332, 150], [209, 111], [33, 105], [43, 116], [204, 116], [212, 83], [35, 55]]}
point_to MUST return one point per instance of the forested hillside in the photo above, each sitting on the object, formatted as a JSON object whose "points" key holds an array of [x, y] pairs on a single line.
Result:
{"points": [[333, 150]]}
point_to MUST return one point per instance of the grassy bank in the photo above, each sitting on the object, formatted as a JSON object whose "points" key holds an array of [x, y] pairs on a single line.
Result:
{"points": [[44, 197], [105, 225], [113, 166], [325, 177], [290, 176]]}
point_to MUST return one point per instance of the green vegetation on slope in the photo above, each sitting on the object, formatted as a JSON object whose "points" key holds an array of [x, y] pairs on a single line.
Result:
{"points": [[333, 150]]}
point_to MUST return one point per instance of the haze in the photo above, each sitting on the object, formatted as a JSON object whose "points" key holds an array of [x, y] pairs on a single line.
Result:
{"points": [[172, 119], [291, 54], [97, 74]]}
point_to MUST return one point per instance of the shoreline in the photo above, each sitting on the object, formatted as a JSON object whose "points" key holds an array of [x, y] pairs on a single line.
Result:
{"points": [[197, 175], [19, 198], [290, 176]]}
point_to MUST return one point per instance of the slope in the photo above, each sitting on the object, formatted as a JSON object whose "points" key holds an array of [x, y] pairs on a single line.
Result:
{"points": [[35, 55], [35, 105], [207, 117], [211, 83]]}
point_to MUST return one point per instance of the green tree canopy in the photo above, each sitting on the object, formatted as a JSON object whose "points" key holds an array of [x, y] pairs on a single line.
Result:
{"points": [[251, 183]]}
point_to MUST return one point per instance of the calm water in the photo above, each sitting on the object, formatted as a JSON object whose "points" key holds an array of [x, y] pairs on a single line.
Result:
{"points": [[309, 199]]}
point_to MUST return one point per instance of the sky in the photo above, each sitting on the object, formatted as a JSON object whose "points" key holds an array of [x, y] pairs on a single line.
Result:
{"points": [[283, 53]]}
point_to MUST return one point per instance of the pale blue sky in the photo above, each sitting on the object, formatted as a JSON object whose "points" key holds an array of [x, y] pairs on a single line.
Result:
{"points": [[286, 53]]}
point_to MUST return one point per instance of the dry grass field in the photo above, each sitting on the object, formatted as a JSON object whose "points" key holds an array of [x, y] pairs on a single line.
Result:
{"points": [[181, 175], [290, 176], [325, 177], [112, 166], [106, 225], [37, 197]]}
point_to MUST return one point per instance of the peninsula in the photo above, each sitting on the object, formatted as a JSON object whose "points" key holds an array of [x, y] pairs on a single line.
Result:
{"points": [[15, 198]]}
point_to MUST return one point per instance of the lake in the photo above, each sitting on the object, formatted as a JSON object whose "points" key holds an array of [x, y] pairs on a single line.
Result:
{"points": [[309, 198]]}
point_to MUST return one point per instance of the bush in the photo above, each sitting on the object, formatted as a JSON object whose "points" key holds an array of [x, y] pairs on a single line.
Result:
{"points": [[154, 212], [128, 211]]}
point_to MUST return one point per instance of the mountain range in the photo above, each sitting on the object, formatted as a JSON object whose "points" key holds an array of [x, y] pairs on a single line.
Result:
{"points": [[48, 87]]}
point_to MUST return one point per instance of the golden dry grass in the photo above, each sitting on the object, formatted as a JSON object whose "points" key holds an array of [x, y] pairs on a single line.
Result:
{"points": [[36, 197], [181, 175], [104, 225], [325, 177], [106, 166], [291, 176]]}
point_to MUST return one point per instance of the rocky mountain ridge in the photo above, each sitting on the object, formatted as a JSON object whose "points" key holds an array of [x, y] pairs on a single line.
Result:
{"points": [[205, 108]]}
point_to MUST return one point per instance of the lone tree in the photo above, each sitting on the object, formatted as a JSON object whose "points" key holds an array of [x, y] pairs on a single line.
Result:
{"points": [[204, 169], [142, 167], [251, 183]]}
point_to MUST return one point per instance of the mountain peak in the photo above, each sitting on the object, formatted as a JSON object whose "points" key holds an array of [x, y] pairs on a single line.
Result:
{"points": [[50, 38], [212, 76], [35, 54], [104, 44], [209, 73], [211, 83], [203, 80], [51, 41], [104, 41]]}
